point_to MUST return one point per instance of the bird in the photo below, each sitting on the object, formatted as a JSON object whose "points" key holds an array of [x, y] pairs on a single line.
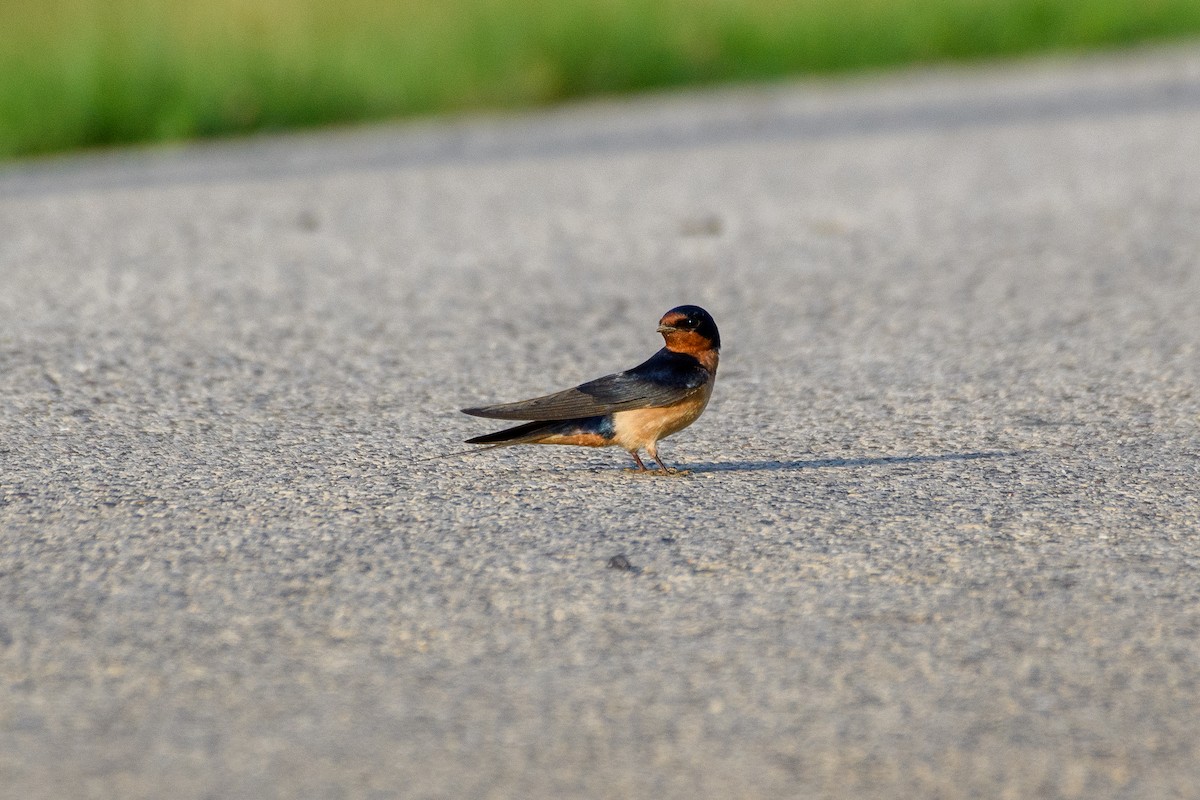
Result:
{"points": [[633, 409]]}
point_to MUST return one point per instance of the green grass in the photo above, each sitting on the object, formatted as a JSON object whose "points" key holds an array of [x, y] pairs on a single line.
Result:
{"points": [[83, 73]]}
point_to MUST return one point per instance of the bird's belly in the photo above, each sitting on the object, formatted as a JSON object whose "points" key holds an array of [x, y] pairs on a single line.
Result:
{"points": [[578, 439], [637, 428], [586, 432]]}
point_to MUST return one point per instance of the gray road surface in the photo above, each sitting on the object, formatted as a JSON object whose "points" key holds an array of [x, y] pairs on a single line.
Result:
{"points": [[941, 535]]}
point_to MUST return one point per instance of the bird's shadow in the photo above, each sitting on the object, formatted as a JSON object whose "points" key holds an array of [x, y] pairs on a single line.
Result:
{"points": [[825, 463]]}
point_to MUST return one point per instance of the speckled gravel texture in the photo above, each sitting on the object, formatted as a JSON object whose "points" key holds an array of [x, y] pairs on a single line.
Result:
{"points": [[941, 533]]}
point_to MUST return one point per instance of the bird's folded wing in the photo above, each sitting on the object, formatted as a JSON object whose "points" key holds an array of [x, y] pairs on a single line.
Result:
{"points": [[620, 392]]}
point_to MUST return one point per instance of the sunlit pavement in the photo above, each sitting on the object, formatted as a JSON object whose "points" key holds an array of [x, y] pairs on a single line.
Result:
{"points": [[939, 538]]}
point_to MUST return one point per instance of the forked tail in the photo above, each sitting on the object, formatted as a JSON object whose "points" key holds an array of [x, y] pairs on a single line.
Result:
{"points": [[528, 433], [524, 434]]}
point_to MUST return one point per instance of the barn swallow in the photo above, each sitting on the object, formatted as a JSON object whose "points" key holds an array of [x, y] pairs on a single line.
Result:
{"points": [[631, 409]]}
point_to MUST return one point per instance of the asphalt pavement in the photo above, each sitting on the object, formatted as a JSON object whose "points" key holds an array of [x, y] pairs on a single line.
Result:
{"points": [[941, 532]]}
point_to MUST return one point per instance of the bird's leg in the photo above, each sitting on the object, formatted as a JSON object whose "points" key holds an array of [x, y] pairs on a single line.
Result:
{"points": [[653, 451], [638, 459]]}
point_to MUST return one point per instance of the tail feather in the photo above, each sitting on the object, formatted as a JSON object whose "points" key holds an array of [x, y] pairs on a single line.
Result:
{"points": [[521, 434], [590, 431]]}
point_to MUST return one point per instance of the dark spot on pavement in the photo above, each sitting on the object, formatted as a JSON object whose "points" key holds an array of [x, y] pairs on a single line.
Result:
{"points": [[620, 562]]}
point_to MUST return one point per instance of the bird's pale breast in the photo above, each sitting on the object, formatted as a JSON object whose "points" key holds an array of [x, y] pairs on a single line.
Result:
{"points": [[639, 427]]}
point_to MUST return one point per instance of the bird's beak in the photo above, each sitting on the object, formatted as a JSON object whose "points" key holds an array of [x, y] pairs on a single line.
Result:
{"points": [[666, 328]]}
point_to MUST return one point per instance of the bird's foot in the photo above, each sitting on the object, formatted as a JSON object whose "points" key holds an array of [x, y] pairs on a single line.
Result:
{"points": [[669, 472]]}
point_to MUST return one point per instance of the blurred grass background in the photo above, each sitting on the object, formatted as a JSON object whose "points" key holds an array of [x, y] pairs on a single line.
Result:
{"points": [[83, 73]]}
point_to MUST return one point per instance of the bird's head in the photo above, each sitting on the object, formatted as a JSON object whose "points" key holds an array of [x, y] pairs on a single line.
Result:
{"points": [[689, 329]]}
